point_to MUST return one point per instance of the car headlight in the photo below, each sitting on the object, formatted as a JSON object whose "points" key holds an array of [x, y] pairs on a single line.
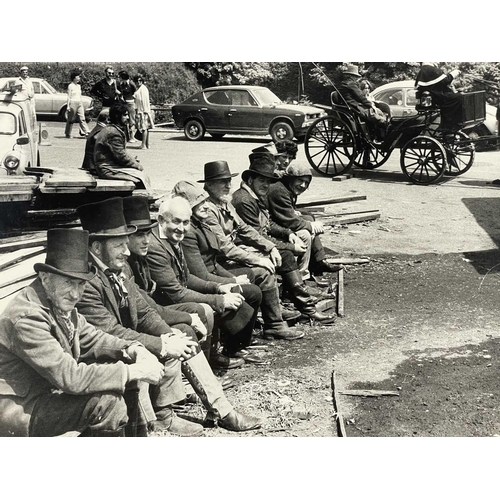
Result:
{"points": [[11, 162]]}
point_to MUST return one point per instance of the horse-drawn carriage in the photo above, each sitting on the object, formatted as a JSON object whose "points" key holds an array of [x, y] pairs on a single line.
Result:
{"points": [[344, 139]]}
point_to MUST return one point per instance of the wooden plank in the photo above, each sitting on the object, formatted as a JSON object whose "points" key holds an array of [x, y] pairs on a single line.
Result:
{"points": [[12, 196], [341, 432], [20, 184], [341, 214], [112, 185], [347, 260], [20, 272], [330, 201], [366, 393], [339, 178], [340, 294], [78, 178], [353, 219], [10, 259], [7, 292], [28, 243], [57, 212], [62, 190]]}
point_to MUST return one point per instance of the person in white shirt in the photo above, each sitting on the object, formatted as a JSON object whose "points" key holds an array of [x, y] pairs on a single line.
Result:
{"points": [[143, 116], [75, 107]]}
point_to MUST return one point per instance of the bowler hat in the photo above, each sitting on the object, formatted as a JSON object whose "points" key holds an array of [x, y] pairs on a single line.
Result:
{"points": [[351, 69], [268, 148], [67, 254], [105, 219], [262, 166], [217, 170], [193, 193], [136, 212], [254, 156]]}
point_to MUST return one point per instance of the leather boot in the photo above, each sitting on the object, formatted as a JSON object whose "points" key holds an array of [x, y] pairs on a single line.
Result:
{"points": [[274, 326], [302, 299], [205, 384], [169, 421], [238, 422]]}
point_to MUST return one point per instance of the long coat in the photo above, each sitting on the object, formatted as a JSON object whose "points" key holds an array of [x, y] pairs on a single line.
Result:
{"points": [[100, 307], [36, 358], [174, 282], [201, 250]]}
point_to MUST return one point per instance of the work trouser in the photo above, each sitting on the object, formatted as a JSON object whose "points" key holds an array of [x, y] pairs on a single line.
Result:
{"points": [[58, 413], [75, 109], [315, 251]]}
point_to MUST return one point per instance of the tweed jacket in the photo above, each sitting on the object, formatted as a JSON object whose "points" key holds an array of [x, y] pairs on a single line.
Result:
{"points": [[174, 282], [138, 269], [36, 358], [281, 203], [231, 230], [88, 159], [201, 249], [100, 308], [255, 214], [110, 149]]}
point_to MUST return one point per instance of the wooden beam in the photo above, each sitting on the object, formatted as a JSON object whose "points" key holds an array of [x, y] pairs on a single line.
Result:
{"points": [[7, 291], [353, 219], [338, 415], [340, 294], [8, 260], [366, 393], [347, 260], [11, 196], [28, 243], [330, 201]]}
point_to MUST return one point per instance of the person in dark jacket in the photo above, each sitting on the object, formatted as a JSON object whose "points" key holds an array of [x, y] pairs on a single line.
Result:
{"points": [[111, 159], [106, 90], [249, 203], [175, 284], [438, 83], [88, 159], [115, 303], [357, 100], [127, 88], [282, 199], [58, 373]]}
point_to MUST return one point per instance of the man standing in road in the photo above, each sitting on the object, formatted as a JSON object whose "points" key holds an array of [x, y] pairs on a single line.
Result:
{"points": [[106, 90], [27, 88], [58, 373]]}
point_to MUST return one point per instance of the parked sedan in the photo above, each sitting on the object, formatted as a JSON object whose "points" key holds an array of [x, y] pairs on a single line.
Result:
{"points": [[402, 99], [47, 100], [242, 109]]}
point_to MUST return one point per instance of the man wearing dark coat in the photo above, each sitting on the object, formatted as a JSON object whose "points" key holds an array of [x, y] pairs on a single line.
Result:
{"points": [[58, 373]]}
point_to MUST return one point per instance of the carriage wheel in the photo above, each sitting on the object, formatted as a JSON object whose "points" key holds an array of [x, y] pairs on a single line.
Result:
{"points": [[423, 160], [330, 146], [371, 157], [460, 153]]}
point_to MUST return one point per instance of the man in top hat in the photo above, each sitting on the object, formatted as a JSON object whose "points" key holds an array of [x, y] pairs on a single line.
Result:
{"points": [[243, 244], [282, 198], [249, 202], [115, 303], [58, 373], [353, 95]]}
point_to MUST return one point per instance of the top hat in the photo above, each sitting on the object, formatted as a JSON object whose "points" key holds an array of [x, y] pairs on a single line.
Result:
{"points": [[262, 166], [351, 69], [136, 212], [298, 171], [217, 170], [67, 254], [193, 193], [253, 156], [105, 219]]}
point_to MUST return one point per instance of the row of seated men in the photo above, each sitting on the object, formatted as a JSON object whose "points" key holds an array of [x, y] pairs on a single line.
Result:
{"points": [[125, 307]]}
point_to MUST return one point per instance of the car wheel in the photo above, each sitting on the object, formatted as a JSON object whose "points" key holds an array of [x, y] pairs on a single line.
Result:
{"points": [[62, 113], [281, 131], [217, 136], [194, 130]]}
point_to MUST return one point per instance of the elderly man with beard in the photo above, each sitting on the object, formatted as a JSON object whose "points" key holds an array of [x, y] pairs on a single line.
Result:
{"points": [[249, 202], [115, 303], [58, 373], [242, 243]]}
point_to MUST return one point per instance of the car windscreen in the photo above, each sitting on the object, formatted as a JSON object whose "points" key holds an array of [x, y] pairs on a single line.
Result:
{"points": [[49, 86], [7, 123], [265, 96]]}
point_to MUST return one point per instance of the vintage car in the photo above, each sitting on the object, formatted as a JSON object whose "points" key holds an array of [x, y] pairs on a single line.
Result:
{"points": [[47, 100], [402, 99], [242, 109]]}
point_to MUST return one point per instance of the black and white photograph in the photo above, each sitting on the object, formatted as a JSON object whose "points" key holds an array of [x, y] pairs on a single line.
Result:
{"points": [[289, 250]]}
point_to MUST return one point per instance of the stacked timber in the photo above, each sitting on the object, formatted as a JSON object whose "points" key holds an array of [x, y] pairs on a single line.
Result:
{"points": [[74, 182], [15, 188]]}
